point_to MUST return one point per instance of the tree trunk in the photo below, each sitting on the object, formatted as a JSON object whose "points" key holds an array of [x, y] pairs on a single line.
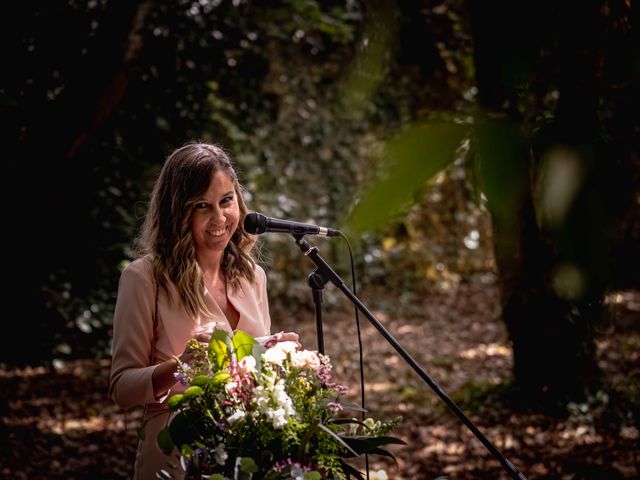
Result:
{"points": [[549, 297]]}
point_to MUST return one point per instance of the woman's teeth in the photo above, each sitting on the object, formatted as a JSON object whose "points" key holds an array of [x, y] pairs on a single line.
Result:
{"points": [[217, 233]]}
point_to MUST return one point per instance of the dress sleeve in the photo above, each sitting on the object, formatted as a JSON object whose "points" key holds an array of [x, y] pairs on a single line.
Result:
{"points": [[130, 382], [263, 298]]}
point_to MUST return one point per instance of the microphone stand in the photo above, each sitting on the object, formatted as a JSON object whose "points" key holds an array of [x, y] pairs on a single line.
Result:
{"points": [[317, 282], [324, 274]]}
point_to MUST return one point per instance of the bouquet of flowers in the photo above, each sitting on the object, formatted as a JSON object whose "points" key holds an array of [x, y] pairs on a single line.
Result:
{"points": [[252, 412]]}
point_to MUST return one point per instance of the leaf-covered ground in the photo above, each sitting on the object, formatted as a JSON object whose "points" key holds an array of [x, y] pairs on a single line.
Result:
{"points": [[59, 423]]}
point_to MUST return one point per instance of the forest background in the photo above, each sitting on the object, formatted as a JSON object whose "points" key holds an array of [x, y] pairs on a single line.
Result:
{"points": [[482, 157]]}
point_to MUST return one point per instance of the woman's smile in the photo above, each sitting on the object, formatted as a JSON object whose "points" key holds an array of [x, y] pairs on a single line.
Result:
{"points": [[217, 232]]}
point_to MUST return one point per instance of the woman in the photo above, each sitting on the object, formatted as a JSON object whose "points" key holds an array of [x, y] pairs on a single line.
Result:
{"points": [[195, 274]]}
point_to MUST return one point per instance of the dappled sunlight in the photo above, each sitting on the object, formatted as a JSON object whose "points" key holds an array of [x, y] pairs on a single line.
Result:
{"points": [[23, 372], [63, 426], [449, 448], [629, 298], [581, 435], [380, 387], [486, 350], [66, 416]]}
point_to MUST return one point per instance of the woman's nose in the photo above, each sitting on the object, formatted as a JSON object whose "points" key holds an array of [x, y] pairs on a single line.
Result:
{"points": [[217, 216]]}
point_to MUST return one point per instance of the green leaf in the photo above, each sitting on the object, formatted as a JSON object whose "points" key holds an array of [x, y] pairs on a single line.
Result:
{"points": [[257, 351], [182, 428], [219, 352], [337, 437], [243, 344], [221, 377], [347, 421], [244, 468], [311, 476], [382, 452], [164, 441], [502, 162], [351, 406], [364, 444], [414, 156], [248, 465], [351, 471]]}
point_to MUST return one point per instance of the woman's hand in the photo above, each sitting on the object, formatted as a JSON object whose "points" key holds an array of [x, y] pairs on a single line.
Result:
{"points": [[191, 350], [162, 378], [271, 340]]}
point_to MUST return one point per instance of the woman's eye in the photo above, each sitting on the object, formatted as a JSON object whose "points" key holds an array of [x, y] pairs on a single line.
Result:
{"points": [[226, 200], [200, 205]]}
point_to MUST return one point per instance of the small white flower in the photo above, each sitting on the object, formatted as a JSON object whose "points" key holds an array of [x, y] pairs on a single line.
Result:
{"points": [[220, 454], [230, 387], [283, 400], [277, 417], [260, 398], [248, 364], [237, 415]]}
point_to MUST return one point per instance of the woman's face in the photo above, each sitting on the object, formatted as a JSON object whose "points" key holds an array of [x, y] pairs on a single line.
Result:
{"points": [[215, 216]]}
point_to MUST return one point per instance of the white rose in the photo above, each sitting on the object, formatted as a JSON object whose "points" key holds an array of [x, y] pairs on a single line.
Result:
{"points": [[305, 358], [286, 347], [274, 356]]}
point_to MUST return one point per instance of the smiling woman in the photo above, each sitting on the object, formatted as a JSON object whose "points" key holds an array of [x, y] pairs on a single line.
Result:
{"points": [[195, 274]]}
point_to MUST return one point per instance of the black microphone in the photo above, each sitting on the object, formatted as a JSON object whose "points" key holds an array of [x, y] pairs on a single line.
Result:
{"points": [[256, 223]]}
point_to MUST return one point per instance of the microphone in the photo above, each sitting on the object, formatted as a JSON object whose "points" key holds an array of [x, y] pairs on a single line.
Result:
{"points": [[256, 223]]}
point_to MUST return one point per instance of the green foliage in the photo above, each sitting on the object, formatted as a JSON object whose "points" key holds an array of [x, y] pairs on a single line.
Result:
{"points": [[301, 93], [415, 156]]}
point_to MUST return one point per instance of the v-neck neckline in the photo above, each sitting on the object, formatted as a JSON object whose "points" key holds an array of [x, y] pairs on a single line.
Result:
{"points": [[221, 312]]}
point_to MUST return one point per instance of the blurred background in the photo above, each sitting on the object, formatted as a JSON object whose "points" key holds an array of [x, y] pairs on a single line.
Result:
{"points": [[482, 157]]}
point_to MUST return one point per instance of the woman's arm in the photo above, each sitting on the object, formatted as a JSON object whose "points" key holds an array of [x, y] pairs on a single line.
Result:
{"points": [[131, 375]]}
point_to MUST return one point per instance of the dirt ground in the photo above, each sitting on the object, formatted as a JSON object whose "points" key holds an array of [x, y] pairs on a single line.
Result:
{"points": [[59, 423]]}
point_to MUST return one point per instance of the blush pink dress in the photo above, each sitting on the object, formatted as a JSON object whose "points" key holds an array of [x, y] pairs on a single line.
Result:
{"points": [[130, 383]]}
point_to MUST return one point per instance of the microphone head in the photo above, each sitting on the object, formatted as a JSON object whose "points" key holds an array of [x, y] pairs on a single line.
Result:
{"points": [[255, 223]]}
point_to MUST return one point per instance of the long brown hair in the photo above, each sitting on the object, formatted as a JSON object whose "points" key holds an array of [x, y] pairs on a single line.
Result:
{"points": [[166, 232]]}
